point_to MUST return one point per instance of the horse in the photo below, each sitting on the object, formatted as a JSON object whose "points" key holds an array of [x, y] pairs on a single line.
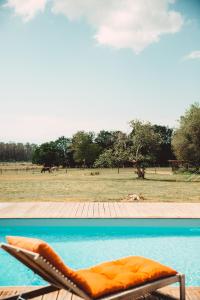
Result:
{"points": [[44, 169]]}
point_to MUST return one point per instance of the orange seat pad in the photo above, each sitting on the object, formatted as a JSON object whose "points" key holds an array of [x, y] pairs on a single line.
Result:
{"points": [[103, 279], [121, 274]]}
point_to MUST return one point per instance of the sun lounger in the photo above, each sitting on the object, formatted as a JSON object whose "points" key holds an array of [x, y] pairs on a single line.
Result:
{"points": [[129, 277]]}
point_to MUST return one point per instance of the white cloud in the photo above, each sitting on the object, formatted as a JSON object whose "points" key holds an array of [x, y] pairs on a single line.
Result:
{"points": [[131, 24], [124, 23], [27, 9], [193, 55]]}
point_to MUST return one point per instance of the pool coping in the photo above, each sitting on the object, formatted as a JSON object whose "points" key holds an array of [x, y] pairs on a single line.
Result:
{"points": [[101, 222]]}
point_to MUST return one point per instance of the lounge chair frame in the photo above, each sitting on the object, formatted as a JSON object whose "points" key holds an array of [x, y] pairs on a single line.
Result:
{"points": [[58, 281]]}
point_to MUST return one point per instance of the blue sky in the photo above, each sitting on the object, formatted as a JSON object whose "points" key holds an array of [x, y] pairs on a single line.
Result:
{"points": [[69, 65]]}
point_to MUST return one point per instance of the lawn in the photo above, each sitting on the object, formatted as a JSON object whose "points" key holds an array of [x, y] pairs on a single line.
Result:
{"points": [[26, 183]]}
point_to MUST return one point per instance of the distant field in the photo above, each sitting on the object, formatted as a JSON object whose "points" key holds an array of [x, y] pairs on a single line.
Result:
{"points": [[24, 182]]}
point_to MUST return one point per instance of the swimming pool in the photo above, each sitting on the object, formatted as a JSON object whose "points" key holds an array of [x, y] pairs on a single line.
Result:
{"points": [[82, 243]]}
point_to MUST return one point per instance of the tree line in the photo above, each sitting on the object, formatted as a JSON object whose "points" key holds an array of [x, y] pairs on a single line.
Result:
{"points": [[13, 152], [146, 142], [145, 145]]}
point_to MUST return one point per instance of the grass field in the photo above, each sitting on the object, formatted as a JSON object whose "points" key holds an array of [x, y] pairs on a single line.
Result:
{"points": [[26, 183]]}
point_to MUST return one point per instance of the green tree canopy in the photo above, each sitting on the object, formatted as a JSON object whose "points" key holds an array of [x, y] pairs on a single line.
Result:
{"points": [[165, 152], [85, 149], [64, 150], [145, 143], [120, 147], [186, 138], [16, 151], [139, 147], [46, 154], [115, 156], [105, 139], [54, 153], [105, 160]]}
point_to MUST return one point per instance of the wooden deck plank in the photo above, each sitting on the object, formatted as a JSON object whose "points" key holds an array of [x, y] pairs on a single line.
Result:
{"points": [[66, 210], [128, 209], [90, 210], [112, 210], [9, 291], [99, 210], [106, 210], [74, 210], [75, 297], [59, 210], [51, 296], [80, 210], [64, 295], [85, 210], [192, 293], [195, 295], [96, 210], [122, 210], [117, 209]]}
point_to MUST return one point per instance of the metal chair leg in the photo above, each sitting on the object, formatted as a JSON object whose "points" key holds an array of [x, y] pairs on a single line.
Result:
{"points": [[182, 287]]}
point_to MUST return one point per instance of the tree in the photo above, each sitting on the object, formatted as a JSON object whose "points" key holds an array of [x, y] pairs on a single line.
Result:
{"points": [[145, 143], [105, 139], [54, 153], [120, 149], [186, 138], [115, 156], [105, 159], [165, 152], [64, 151], [46, 154], [16, 151], [85, 149]]}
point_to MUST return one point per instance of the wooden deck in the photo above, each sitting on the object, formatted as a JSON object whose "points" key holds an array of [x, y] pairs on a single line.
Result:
{"points": [[98, 210], [169, 293]]}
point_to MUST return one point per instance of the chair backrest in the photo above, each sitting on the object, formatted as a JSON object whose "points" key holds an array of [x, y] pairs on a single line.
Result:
{"points": [[44, 269]]}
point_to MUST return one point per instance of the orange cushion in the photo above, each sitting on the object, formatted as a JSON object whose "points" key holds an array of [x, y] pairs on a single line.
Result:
{"points": [[103, 279], [118, 275], [42, 248]]}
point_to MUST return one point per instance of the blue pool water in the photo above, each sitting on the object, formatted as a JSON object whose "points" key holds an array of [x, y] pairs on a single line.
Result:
{"points": [[81, 246]]}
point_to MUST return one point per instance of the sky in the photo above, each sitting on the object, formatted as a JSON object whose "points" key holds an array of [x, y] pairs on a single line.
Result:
{"points": [[69, 65]]}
